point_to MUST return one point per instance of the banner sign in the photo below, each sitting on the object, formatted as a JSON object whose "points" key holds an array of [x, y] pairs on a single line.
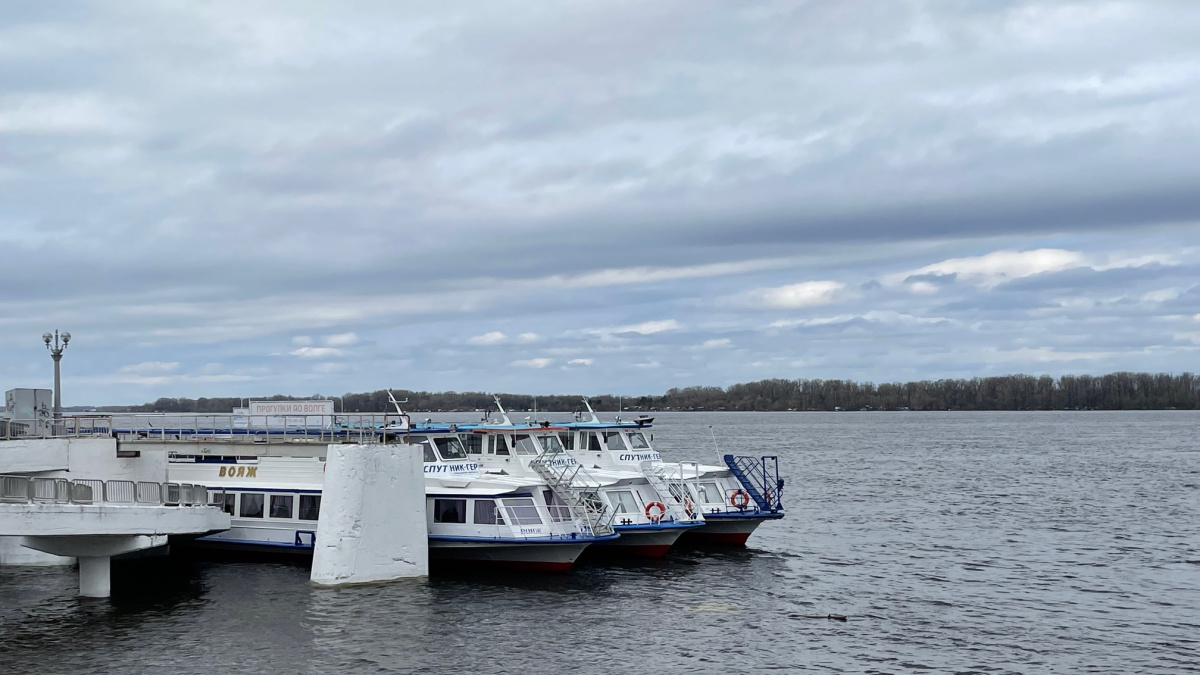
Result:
{"points": [[291, 407]]}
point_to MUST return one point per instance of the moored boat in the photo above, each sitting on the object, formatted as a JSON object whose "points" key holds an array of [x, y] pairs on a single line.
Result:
{"points": [[640, 510], [474, 518], [733, 499]]}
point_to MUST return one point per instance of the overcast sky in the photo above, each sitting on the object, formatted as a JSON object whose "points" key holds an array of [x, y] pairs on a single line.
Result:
{"points": [[247, 198]]}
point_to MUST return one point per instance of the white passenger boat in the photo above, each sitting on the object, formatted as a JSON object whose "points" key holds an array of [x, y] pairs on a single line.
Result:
{"points": [[474, 517], [734, 499], [484, 514], [638, 507]]}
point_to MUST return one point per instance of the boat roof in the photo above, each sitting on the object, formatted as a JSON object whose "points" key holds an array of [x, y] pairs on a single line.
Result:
{"points": [[512, 428], [631, 426]]}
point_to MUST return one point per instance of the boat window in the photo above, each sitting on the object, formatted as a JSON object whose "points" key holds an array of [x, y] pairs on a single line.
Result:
{"points": [[281, 506], [568, 439], [551, 443], [709, 493], [499, 444], [623, 501], [524, 445], [559, 511], [593, 442], [613, 440], [637, 441], [677, 491], [522, 511], [450, 448], [449, 510], [310, 507], [252, 505], [473, 443], [486, 513], [427, 449], [223, 501]]}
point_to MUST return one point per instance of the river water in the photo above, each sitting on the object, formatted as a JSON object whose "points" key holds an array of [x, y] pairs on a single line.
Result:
{"points": [[953, 542]]}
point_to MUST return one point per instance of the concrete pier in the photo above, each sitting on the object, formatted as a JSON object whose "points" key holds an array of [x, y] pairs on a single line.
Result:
{"points": [[94, 533], [81, 498], [372, 525]]}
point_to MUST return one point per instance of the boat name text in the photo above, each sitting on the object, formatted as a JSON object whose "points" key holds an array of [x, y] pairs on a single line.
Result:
{"points": [[640, 457], [461, 467]]}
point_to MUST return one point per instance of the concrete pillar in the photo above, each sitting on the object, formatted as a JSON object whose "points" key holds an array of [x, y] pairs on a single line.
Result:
{"points": [[95, 554], [372, 525], [95, 580]]}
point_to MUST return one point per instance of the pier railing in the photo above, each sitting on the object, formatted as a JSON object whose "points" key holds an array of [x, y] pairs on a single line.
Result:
{"points": [[45, 427], [27, 489], [166, 427]]}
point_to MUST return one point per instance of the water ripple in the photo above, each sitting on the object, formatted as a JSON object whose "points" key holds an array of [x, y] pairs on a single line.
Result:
{"points": [[951, 542]]}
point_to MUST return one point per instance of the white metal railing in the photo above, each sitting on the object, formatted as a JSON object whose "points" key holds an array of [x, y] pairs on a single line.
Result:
{"points": [[163, 427], [27, 489], [47, 427]]}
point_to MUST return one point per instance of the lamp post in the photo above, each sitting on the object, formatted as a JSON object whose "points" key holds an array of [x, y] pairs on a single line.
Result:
{"points": [[56, 350]]}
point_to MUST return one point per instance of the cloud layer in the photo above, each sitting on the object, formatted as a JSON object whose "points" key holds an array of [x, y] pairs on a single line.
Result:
{"points": [[233, 198]]}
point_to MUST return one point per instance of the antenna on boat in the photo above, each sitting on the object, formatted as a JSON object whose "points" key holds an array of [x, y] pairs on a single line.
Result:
{"points": [[500, 407], [714, 440], [404, 421], [588, 404]]}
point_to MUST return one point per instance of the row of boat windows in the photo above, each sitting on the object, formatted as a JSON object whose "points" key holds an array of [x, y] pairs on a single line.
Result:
{"points": [[520, 510], [450, 448], [523, 511], [259, 505], [514, 511]]}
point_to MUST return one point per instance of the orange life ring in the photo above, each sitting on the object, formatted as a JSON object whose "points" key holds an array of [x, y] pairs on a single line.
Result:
{"points": [[662, 511], [741, 504]]}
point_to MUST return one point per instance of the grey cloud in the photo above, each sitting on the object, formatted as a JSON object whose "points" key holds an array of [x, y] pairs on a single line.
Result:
{"points": [[188, 159], [934, 279]]}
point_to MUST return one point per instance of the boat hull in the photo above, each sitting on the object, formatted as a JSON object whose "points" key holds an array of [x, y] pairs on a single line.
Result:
{"points": [[522, 556], [734, 530], [647, 543], [241, 546]]}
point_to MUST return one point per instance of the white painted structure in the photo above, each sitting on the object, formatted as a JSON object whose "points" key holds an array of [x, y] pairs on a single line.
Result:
{"points": [[94, 533], [372, 521], [33, 407], [83, 497]]}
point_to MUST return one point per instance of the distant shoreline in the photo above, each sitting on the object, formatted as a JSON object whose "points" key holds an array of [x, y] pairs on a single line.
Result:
{"points": [[1013, 393]]}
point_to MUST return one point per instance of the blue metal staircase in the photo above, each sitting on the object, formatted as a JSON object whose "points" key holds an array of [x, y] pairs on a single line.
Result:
{"points": [[759, 477]]}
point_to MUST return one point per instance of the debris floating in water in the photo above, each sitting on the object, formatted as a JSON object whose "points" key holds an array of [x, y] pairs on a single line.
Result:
{"points": [[831, 617]]}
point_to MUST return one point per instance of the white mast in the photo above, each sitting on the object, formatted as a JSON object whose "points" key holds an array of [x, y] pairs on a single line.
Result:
{"points": [[500, 407]]}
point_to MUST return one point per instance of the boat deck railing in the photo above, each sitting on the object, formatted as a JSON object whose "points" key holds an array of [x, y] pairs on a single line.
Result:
{"points": [[28, 489], [760, 479], [168, 427]]}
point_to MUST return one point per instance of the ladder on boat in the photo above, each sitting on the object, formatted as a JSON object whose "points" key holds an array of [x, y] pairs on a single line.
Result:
{"points": [[570, 483], [760, 479], [672, 489]]}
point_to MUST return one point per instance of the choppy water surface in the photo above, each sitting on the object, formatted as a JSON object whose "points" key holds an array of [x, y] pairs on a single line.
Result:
{"points": [[954, 542]]}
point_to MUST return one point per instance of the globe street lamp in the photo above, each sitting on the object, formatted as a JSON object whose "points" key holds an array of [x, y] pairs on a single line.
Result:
{"points": [[56, 351]]}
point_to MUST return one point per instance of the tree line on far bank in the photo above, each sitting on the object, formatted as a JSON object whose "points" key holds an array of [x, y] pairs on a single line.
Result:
{"points": [[1115, 391]]}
